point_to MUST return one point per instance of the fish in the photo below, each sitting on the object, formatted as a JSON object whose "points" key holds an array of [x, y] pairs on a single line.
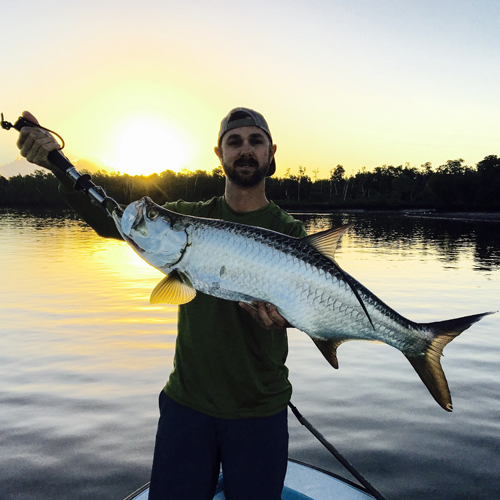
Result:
{"points": [[299, 276]]}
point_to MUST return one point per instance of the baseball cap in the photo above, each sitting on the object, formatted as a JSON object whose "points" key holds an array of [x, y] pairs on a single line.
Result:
{"points": [[245, 117]]}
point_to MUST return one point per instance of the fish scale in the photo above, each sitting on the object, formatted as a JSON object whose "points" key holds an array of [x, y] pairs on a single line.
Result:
{"points": [[252, 271], [298, 275]]}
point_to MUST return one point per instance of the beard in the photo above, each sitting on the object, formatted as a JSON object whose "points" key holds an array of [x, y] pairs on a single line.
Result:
{"points": [[246, 180]]}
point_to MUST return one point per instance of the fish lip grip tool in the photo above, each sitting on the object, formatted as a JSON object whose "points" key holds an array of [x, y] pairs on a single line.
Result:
{"points": [[82, 182]]}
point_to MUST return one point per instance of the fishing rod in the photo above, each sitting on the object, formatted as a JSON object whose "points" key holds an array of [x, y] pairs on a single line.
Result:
{"points": [[371, 489], [82, 182]]}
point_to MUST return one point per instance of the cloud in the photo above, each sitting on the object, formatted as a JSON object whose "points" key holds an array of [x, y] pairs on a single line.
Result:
{"points": [[92, 165], [18, 166]]}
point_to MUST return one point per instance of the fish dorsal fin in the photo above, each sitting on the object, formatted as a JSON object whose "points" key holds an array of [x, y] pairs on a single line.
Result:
{"points": [[175, 288], [329, 350], [326, 241]]}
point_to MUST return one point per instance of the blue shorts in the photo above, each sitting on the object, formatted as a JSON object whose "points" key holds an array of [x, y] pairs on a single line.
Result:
{"points": [[191, 447]]}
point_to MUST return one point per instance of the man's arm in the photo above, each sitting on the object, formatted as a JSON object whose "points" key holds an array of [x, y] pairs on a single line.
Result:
{"points": [[35, 144]]}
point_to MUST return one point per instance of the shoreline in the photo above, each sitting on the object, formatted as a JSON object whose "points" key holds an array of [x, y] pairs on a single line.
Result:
{"points": [[468, 215]]}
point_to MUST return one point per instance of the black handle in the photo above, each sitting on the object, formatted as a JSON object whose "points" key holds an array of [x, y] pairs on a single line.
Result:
{"points": [[59, 160], [82, 182]]}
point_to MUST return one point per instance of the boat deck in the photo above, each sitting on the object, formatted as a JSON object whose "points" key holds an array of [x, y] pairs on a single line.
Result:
{"points": [[302, 482]]}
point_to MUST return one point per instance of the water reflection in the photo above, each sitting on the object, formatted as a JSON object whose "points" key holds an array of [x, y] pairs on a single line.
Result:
{"points": [[448, 237], [83, 356]]}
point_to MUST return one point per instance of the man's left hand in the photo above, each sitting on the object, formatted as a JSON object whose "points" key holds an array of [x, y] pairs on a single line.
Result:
{"points": [[266, 315]]}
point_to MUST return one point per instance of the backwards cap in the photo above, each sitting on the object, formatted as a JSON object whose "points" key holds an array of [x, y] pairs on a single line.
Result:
{"points": [[244, 117]]}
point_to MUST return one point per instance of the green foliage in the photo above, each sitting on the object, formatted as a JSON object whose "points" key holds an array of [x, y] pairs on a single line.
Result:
{"points": [[488, 181], [453, 185], [38, 189]]}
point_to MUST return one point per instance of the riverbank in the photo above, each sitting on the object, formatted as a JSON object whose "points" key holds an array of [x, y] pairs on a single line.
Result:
{"points": [[463, 216], [421, 213], [468, 215]]}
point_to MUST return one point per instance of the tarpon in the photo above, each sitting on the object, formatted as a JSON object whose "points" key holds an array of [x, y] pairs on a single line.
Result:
{"points": [[298, 275]]}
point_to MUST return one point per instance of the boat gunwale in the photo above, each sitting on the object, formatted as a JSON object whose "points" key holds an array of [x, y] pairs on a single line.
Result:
{"points": [[143, 488], [331, 474]]}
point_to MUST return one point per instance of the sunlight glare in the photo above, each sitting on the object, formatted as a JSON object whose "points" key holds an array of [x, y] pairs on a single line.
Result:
{"points": [[147, 146]]}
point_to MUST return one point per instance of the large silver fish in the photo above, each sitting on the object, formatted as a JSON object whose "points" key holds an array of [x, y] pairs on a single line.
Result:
{"points": [[298, 275]]}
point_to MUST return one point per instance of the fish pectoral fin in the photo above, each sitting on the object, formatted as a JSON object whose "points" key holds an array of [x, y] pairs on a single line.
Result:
{"points": [[329, 350], [175, 288], [428, 364], [326, 242]]}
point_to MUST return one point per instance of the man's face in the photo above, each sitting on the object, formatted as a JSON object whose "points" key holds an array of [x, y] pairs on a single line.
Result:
{"points": [[245, 154]]}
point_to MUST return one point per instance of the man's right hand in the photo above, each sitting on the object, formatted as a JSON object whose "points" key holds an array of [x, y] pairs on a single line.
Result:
{"points": [[35, 144]]}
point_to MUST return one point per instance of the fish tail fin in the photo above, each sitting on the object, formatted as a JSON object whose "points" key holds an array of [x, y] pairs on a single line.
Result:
{"points": [[428, 364]]}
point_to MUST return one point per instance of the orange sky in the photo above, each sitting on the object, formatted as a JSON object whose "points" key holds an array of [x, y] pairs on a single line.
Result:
{"points": [[356, 83]]}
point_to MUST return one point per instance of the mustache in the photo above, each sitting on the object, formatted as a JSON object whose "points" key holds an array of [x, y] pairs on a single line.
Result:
{"points": [[246, 161]]}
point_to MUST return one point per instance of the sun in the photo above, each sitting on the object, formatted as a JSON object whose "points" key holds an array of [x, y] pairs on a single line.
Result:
{"points": [[145, 146]]}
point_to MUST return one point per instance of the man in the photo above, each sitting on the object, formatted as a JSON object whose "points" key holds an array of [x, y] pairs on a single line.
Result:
{"points": [[226, 400]]}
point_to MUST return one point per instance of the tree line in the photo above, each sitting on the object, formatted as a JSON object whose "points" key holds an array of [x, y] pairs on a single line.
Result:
{"points": [[452, 186]]}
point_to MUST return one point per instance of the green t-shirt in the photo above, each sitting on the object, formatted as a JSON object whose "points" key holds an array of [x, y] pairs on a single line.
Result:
{"points": [[226, 365]]}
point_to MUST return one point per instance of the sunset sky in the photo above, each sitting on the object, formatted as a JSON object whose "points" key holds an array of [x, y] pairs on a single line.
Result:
{"points": [[143, 86]]}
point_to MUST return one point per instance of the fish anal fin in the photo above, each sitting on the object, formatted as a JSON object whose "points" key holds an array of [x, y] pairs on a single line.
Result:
{"points": [[329, 350], [175, 288], [326, 241], [428, 364]]}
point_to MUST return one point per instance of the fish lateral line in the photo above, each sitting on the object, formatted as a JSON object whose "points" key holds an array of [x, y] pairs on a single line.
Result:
{"points": [[326, 242]]}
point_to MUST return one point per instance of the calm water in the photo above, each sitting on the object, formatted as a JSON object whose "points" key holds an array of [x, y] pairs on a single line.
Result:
{"points": [[83, 357]]}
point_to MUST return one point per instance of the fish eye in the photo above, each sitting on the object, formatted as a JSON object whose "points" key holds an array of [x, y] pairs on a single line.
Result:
{"points": [[153, 214]]}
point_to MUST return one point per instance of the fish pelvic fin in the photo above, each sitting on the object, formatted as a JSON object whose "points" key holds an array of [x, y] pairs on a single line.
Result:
{"points": [[175, 288], [329, 350], [428, 364], [326, 241]]}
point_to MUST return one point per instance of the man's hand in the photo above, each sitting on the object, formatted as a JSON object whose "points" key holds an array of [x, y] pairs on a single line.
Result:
{"points": [[266, 315], [35, 144]]}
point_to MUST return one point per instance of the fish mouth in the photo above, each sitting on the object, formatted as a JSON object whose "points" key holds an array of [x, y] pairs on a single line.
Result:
{"points": [[138, 226], [133, 244], [127, 221]]}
